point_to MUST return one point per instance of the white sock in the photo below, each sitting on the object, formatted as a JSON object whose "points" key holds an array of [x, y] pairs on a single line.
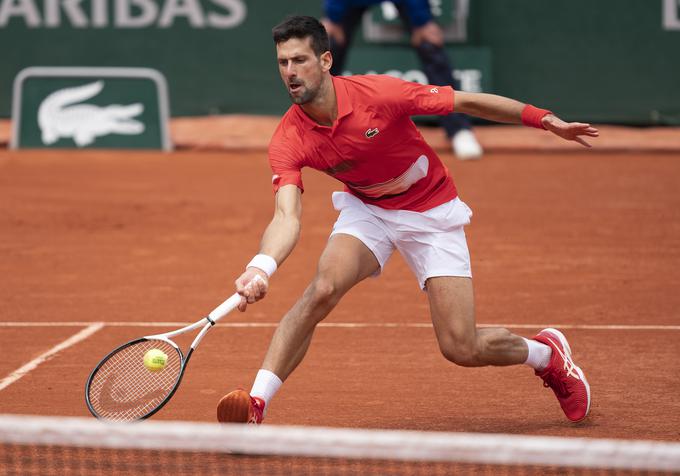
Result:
{"points": [[539, 354], [265, 386]]}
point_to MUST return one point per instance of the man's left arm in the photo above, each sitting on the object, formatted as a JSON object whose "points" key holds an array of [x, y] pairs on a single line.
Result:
{"points": [[502, 109]]}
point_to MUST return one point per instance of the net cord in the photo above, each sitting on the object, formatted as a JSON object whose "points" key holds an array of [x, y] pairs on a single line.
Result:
{"points": [[344, 443]]}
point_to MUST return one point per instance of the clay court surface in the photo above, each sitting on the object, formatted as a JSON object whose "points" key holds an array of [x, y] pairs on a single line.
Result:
{"points": [[589, 242]]}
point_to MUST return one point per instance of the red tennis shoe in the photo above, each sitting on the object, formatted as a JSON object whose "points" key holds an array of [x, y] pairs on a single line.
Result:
{"points": [[239, 407], [564, 377]]}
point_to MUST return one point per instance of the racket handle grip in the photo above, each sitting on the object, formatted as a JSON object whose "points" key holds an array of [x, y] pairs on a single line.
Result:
{"points": [[230, 304], [225, 308]]}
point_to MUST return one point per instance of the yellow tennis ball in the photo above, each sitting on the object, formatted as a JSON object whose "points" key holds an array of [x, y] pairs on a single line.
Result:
{"points": [[155, 360]]}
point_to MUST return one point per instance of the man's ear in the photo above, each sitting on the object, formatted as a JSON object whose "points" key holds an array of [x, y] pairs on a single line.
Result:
{"points": [[326, 60]]}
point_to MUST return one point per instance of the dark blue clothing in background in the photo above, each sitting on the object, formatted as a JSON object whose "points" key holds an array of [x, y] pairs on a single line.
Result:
{"points": [[414, 14], [418, 11]]}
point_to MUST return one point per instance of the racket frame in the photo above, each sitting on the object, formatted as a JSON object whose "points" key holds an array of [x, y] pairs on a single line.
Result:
{"points": [[207, 322]]}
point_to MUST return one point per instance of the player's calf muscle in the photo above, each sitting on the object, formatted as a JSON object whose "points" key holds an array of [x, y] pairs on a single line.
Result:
{"points": [[496, 346], [501, 347]]}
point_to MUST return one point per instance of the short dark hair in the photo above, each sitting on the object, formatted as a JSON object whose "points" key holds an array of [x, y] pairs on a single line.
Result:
{"points": [[300, 26]]}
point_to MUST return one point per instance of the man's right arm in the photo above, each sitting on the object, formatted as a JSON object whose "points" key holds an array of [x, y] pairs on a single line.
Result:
{"points": [[278, 241], [283, 232]]}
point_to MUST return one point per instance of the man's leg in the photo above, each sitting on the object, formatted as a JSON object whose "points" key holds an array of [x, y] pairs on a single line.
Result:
{"points": [[345, 262], [453, 316], [452, 309], [438, 68], [339, 49]]}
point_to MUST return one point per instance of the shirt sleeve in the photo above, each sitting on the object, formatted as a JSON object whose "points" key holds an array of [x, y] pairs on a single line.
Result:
{"points": [[286, 168], [409, 98]]}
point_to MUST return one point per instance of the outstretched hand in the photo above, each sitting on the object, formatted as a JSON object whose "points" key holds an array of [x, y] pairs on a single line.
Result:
{"points": [[570, 130], [252, 285]]}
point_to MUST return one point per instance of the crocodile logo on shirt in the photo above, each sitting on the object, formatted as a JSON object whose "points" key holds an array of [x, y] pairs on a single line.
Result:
{"points": [[370, 133]]}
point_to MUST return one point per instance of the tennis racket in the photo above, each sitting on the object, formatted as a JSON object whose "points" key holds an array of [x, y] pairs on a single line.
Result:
{"points": [[121, 388]]}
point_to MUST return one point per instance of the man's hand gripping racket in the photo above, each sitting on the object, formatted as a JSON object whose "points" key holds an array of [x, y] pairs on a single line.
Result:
{"points": [[252, 285], [122, 388]]}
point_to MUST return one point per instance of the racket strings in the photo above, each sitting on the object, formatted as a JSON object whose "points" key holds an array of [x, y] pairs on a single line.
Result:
{"points": [[123, 389]]}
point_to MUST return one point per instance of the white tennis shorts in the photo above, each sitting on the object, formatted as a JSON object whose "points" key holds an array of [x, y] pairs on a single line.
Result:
{"points": [[432, 242]]}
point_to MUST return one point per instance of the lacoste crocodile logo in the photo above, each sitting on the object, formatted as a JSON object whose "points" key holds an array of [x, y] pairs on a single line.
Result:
{"points": [[60, 117], [370, 133]]}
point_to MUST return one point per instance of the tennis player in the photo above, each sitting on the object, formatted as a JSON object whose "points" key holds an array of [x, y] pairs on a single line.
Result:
{"points": [[398, 196]]}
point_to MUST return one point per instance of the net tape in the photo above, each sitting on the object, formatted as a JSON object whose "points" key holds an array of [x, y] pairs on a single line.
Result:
{"points": [[343, 443]]}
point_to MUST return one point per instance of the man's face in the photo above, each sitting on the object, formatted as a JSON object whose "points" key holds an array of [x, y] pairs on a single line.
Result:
{"points": [[301, 70]]}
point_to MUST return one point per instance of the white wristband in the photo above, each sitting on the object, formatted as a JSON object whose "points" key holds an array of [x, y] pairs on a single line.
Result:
{"points": [[264, 262]]}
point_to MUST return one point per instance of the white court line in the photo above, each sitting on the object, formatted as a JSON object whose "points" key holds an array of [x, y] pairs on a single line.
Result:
{"points": [[355, 325], [74, 339]]}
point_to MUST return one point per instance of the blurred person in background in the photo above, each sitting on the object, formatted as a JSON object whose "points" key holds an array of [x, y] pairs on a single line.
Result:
{"points": [[427, 38]]}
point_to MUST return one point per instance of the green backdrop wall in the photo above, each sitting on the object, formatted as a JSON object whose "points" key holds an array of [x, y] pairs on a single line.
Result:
{"points": [[604, 61]]}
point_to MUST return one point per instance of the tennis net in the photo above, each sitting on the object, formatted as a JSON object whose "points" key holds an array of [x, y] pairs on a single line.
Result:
{"points": [[58, 446]]}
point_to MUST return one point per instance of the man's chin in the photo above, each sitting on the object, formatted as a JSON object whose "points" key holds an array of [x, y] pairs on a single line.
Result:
{"points": [[299, 100]]}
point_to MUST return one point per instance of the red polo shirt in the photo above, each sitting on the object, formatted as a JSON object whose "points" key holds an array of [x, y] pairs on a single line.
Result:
{"points": [[373, 146]]}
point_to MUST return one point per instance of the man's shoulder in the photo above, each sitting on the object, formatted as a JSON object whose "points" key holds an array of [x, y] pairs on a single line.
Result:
{"points": [[289, 128], [288, 138], [370, 81], [372, 88]]}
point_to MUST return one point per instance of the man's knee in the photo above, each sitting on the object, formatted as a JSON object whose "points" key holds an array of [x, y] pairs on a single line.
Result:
{"points": [[323, 292], [463, 352]]}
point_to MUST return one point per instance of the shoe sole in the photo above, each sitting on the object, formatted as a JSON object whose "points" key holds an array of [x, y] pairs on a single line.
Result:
{"points": [[581, 375], [234, 407]]}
